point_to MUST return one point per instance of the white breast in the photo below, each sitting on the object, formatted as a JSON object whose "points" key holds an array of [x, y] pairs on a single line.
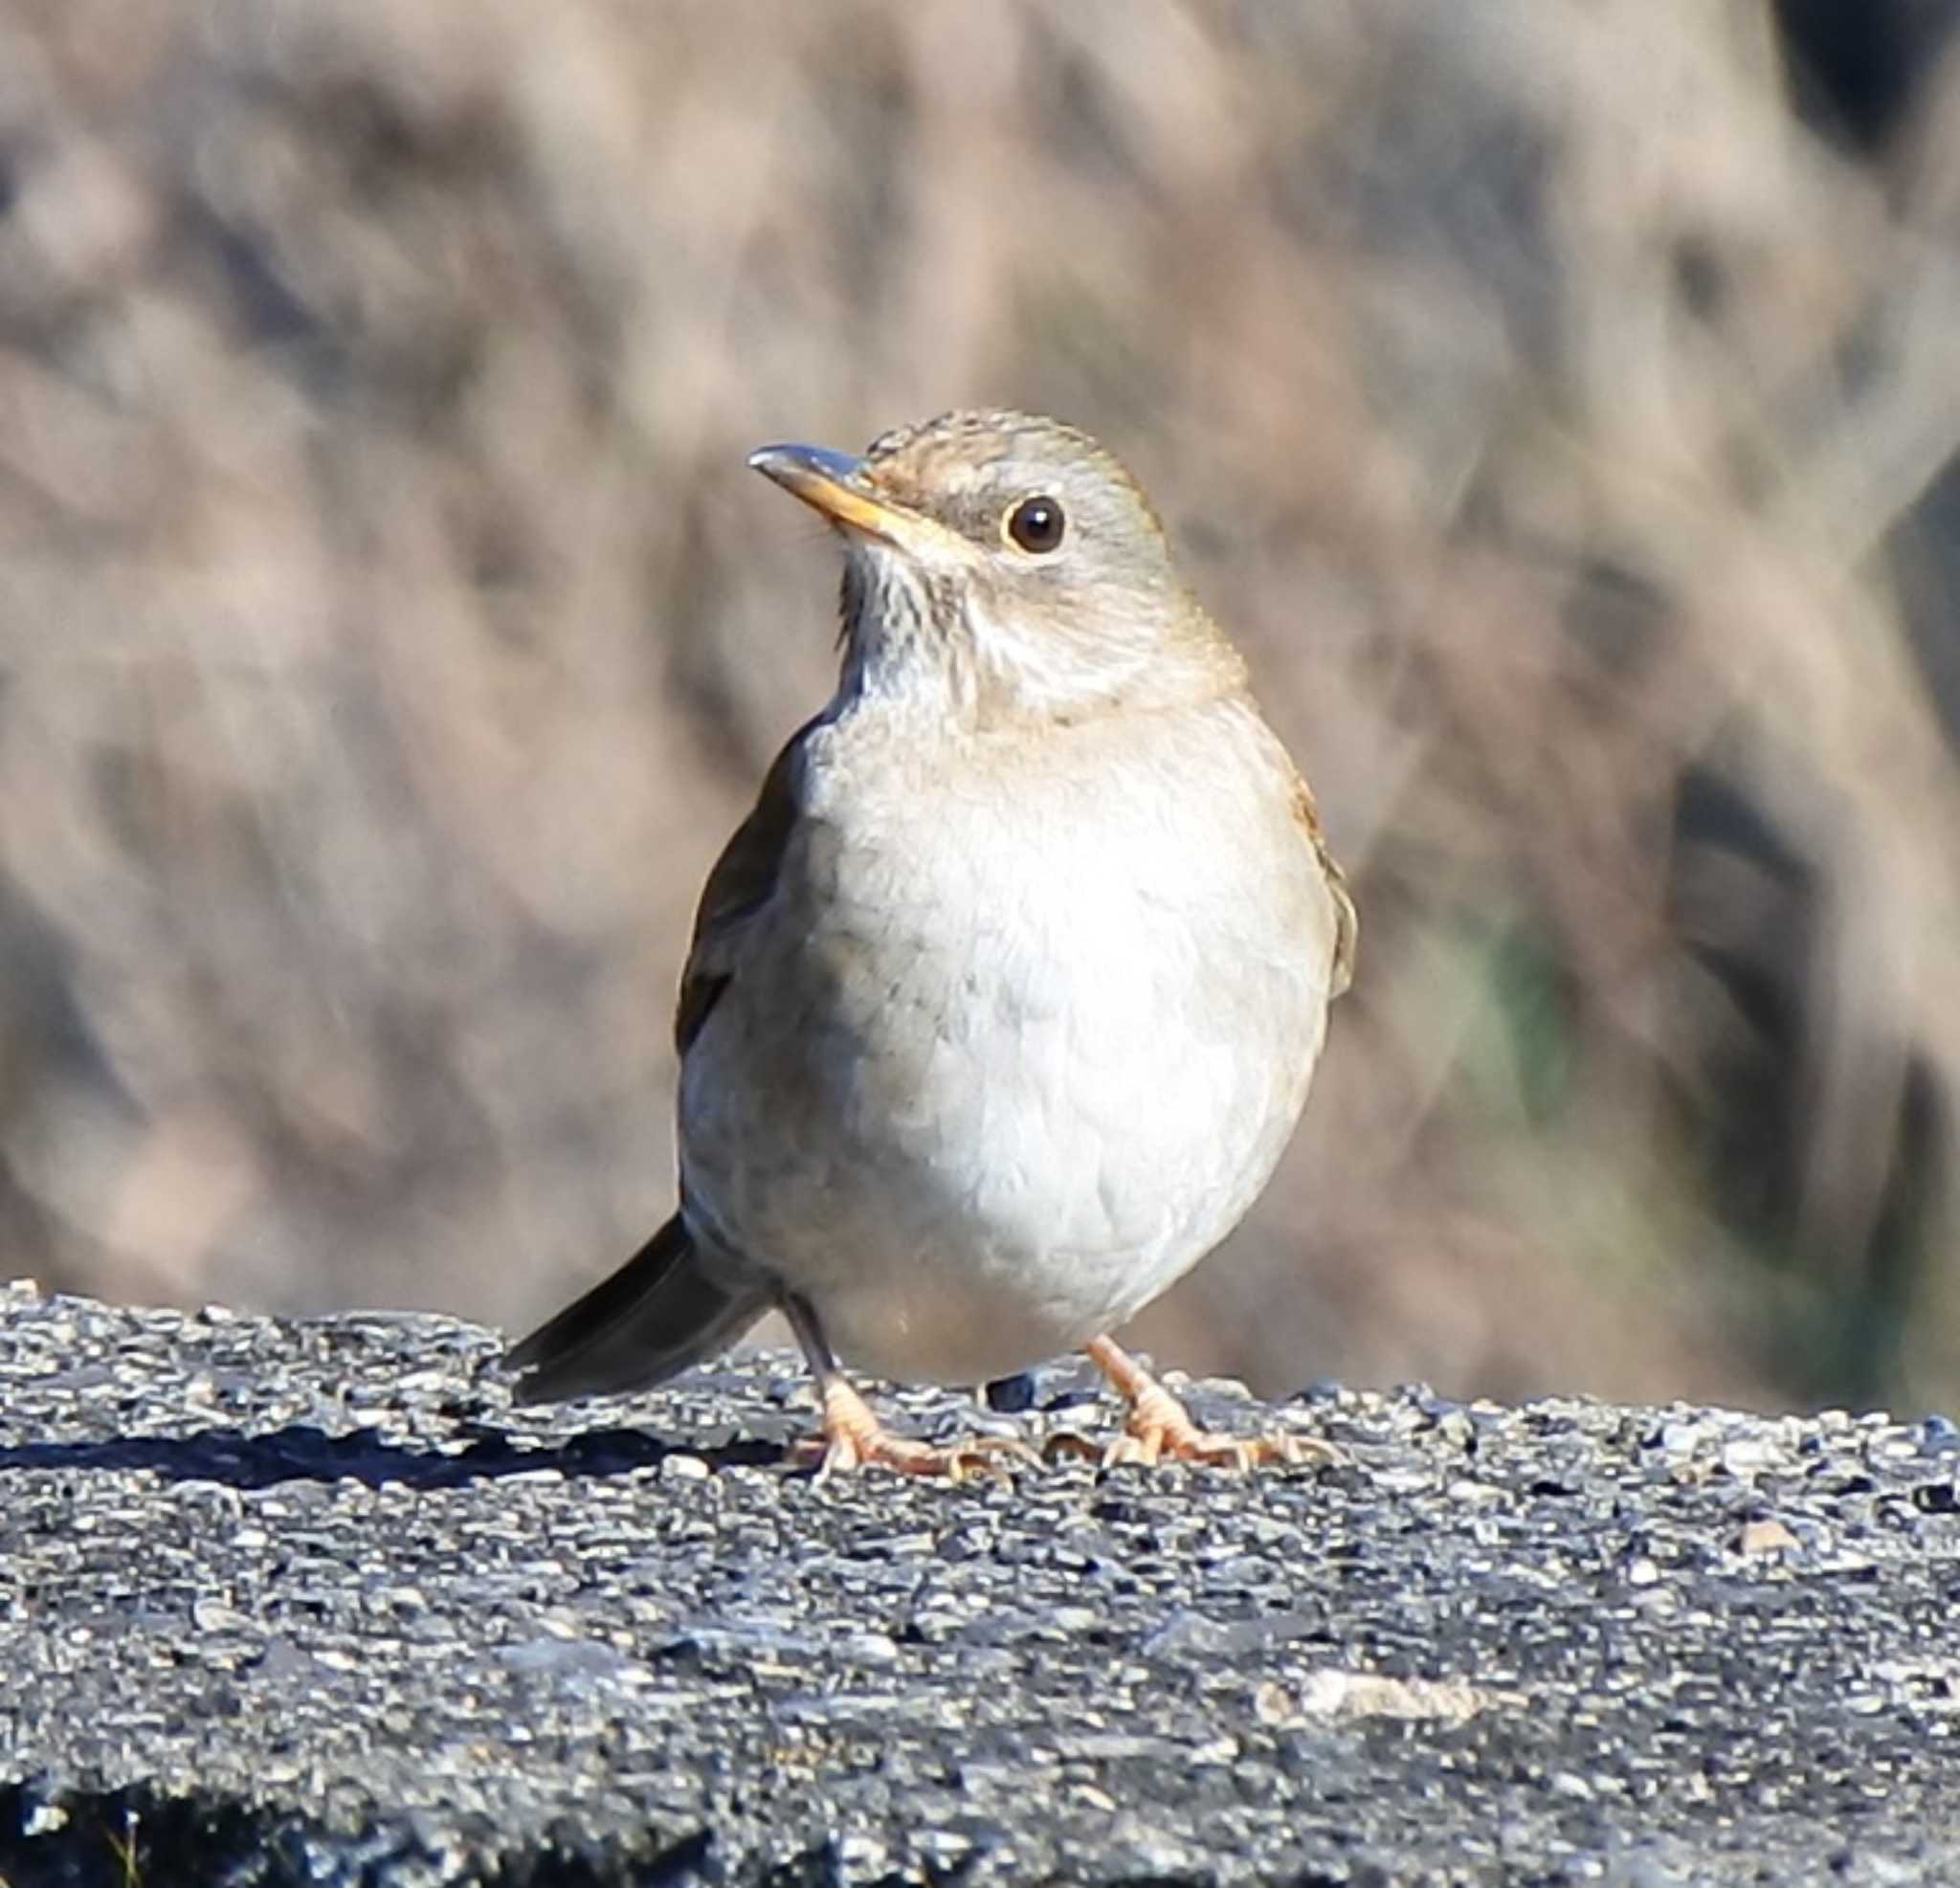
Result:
{"points": [[1008, 1062]]}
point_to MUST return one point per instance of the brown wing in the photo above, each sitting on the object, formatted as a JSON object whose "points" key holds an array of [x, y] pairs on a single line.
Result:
{"points": [[1346, 922], [740, 884]]}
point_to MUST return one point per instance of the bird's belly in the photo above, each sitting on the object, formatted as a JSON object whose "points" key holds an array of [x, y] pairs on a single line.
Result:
{"points": [[991, 1140], [1034, 1196]]}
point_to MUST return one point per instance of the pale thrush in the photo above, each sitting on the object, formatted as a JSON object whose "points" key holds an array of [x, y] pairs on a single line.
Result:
{"points": [[1003, 1000]]}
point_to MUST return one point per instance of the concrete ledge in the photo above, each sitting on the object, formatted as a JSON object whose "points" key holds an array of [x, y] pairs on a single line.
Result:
{"points": [[307, 1602]]}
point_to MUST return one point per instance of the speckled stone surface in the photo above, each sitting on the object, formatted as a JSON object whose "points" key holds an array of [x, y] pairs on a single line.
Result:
{"points": [[287, 1602]]}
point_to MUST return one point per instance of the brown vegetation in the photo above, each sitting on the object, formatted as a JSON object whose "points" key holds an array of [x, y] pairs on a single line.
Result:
{"points": [[390, 633]]}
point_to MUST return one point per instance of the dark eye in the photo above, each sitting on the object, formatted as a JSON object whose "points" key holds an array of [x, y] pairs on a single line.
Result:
{"points": [[1037, 524]]}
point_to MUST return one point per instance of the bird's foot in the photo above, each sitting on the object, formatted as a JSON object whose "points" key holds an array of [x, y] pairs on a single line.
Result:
{"points": [[1146, 1440], [1160, 1429], [854, 1438]]}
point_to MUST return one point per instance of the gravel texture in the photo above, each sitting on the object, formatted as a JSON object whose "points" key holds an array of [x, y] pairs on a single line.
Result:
{"points": [[308, 1601]]}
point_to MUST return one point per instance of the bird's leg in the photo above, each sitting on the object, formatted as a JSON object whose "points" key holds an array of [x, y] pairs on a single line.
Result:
{"points": [[853, 1437], [1160, 1428]]}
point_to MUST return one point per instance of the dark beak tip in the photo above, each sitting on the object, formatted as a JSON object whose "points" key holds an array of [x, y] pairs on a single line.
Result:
{"points": [[787, 461]]}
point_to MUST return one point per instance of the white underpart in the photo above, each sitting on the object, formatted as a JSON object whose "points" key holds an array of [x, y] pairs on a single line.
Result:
{"points": [[1031, 1044]]}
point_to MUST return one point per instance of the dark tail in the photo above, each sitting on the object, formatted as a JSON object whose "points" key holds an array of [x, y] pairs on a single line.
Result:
{"points": [[652, 1318]]}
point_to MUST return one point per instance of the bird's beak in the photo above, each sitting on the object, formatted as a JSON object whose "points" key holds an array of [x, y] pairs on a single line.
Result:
{"points": [[835, 484]]}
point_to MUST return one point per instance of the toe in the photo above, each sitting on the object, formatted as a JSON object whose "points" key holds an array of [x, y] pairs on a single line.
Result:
{"points": [[1210, 1449], [903, 1454]]}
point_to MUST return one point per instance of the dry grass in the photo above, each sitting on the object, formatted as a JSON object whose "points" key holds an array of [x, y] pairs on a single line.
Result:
{"points": [[390, 634]]}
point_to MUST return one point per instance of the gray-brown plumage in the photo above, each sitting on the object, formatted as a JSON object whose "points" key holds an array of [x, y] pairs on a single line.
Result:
{"points": [[1003, 1000]]}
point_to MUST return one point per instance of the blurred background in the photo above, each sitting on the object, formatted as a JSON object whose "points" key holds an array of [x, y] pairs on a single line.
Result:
{"points": [[1560, 405]]}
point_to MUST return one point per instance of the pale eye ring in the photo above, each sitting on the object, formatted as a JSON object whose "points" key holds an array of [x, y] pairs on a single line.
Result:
{"points": [[1036, 525]]}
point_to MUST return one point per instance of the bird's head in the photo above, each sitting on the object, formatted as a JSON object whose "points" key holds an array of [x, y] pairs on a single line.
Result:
{"points": [[1011, 564]]}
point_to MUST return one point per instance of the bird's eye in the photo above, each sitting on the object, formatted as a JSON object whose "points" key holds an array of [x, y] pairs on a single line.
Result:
{"points": [[1037, 524]]}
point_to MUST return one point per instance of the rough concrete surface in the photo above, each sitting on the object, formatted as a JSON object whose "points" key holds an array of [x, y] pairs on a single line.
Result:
{"points": [[308, 1601]]}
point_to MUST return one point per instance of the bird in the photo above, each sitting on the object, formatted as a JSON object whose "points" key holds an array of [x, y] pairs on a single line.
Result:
{"points": [[1003, 1000]]}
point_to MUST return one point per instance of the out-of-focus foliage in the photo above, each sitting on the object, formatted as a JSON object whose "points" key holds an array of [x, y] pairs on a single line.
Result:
{"points": [[1559, 403]]}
